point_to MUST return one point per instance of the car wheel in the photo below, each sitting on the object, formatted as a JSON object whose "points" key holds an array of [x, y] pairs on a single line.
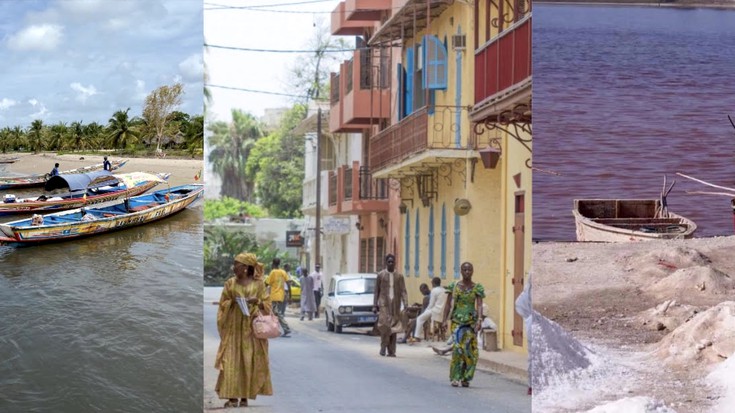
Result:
{"points": [[330, 326], [337, 327]]}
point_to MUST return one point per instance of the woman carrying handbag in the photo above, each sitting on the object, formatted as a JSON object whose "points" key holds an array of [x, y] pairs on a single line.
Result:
{"points": [[242, 357]]}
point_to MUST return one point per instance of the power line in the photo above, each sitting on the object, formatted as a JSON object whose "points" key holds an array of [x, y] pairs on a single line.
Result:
{"points": [[246, 49], [264, 92], [224, 7]]}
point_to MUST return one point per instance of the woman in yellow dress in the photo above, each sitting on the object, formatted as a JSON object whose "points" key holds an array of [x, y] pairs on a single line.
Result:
{"points": [[242, 359]]}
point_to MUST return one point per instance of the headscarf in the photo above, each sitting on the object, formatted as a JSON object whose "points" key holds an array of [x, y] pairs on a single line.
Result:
{"points": [[251, 260]]}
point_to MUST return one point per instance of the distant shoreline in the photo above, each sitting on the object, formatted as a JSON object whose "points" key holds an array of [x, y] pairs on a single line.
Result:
{"points": [[638, 3]]}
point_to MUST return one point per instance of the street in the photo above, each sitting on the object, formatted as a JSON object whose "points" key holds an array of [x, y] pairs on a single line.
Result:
{"points": [[319, 371]]}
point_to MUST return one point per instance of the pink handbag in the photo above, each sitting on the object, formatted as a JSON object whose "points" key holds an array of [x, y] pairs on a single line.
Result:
{"points": [[266, 326]]}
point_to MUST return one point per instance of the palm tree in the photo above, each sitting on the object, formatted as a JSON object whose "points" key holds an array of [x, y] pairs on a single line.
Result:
{"points": [[35, 136], [194, 135], [231, 145], [5, 139], [78, 137], [57, 136], [120, 130], [94, 134], [17, 138]]}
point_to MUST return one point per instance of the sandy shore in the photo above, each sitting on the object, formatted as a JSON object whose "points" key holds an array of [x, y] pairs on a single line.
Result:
{"points": [[182, 170], [638, 303]]}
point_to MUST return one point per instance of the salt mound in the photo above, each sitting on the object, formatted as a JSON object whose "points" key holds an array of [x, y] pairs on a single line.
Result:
{"points": [[670, 258], [555, 354], [700, 281], [709, 337], [637, 404], [723, 376], [667, 315]]}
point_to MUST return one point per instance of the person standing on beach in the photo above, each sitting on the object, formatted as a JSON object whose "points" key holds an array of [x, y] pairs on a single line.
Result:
{"points": [[464, 309], [55, 171], [390, 294], [242, 359], [317, 278], [107, 165], [277, 280]]}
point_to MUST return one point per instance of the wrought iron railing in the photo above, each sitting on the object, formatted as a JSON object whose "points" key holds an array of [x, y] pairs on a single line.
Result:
{"points": [[347, 177], [332, 188], [372, 188]]}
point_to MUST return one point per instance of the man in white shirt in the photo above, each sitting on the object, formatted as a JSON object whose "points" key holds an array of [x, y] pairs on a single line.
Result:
{"points": [[435, 310], [317, 277]]}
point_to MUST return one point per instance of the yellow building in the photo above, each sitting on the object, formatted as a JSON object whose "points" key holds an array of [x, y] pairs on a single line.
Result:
{"points": [[445, 136]]}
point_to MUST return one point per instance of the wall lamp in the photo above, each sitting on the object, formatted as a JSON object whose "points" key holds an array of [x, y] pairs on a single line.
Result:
{"points": [[403, 207], [490, 157], [359, 226]]}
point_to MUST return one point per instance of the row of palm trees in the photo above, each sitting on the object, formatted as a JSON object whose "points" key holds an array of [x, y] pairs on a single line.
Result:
{"points": [[122, 132]]}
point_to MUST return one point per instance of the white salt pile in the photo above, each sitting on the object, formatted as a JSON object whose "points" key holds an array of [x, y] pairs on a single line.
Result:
{"points": [[694, 281], [709, 337], [723, 377], [668, 315], [555, 354], [638, 404], [663, 261]]}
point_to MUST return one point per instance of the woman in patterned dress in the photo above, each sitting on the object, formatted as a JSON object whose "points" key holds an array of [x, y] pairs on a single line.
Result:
{"points": [[464, 309], [242, 359]]}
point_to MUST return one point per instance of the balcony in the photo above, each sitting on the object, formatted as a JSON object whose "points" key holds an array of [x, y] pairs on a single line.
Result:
{"points": [[503, 70], [360, 93], [410, 19], [367, 10], [308, 206], [420, 139], [353, 191], [341, 26]]}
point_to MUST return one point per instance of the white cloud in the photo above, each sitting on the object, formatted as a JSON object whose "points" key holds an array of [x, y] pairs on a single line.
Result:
{"points": [[84, 92], [192, 68], [41, 110], [37, 37], [33, 102], [7, 103]]}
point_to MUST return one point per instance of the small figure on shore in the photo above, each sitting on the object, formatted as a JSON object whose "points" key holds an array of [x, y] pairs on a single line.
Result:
{"points": [[106, 165], [464, 309], [390, 294], [55, 171]]}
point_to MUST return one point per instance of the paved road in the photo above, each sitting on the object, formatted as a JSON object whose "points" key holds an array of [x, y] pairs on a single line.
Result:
{"points": [[318, 371]]}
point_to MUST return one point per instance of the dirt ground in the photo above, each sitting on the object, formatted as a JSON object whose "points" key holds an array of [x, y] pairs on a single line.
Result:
{"points": [[629, 298], [182, 170]]}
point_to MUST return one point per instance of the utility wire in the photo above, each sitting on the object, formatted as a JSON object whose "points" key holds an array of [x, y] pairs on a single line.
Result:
{"points": [[246, 49], [264, 92], [225, 7]]}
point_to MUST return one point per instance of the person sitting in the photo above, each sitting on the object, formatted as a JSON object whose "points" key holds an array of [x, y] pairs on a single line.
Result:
{"points": [[411, 314], [36, 220], [87, 216], [55, 171], [106, 165]]}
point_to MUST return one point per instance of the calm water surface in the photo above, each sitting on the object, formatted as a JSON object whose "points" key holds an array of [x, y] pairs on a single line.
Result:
{"points": [[109, 323], [624, 96]]}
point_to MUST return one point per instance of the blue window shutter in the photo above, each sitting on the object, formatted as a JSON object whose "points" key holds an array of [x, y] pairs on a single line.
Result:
{"points": [[407, 237], [456, 246], [435, 63], [408, 104], [443, 266], [416, 252], [431, 241], [401, 92]]}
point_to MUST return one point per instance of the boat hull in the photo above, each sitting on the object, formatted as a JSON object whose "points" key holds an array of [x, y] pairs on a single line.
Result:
{"points": [[32, 181], [57, 230], [627, 220]]}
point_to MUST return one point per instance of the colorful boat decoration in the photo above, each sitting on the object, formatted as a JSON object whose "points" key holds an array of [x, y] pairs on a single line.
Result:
{"points": [[81, 190], [624, 220], [8, 182], [113, 216]]}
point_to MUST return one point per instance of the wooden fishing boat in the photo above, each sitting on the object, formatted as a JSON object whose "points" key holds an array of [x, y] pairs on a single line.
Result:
{"points": [[81, 190], [8, 182], [623, 220], [103, 218], [9, 160]]}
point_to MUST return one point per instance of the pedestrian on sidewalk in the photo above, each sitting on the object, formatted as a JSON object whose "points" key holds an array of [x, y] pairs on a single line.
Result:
{"points": [[308, 304], [242, 359], [277, 280], [464, 309], [390, 294], [317, 277]]}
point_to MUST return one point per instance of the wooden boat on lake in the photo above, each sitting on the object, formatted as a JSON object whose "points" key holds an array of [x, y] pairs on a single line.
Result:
{"points": [[8, 182], [9, 160], [623, 220], [80, 190], [112, 216]]}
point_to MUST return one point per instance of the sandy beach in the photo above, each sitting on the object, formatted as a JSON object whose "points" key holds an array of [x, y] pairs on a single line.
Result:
{"points": [[656, 319], [182, 170]]}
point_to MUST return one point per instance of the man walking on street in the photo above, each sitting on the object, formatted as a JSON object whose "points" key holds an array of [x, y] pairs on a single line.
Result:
{"points": [[317, 277], [277, 280], [390, 294]]}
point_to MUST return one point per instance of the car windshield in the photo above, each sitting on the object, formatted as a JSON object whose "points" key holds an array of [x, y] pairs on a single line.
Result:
{"points": [[356, 286]]}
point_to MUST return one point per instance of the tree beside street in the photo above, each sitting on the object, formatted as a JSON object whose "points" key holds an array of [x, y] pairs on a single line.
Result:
{"points": [[159, 110]]}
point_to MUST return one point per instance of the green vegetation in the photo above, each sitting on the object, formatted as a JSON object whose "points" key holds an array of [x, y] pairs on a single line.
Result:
{"points": [[230, 207]]}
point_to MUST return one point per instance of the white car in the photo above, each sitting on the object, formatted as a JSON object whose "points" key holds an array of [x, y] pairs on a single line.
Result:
{"points": [[349, 301]]}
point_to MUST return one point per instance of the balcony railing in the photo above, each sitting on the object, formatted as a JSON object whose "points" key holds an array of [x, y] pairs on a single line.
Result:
{"points": [[503, 62], [332, 188], [348, 183], [334, 89], [352, 189], [372, 188]]}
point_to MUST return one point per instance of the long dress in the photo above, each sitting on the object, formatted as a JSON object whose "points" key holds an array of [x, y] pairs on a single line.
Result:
{"points": [[308, 301], [241, 359], [464, 318]]}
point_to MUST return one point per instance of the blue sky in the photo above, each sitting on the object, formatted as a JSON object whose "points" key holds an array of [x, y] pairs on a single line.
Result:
{"points": [[82, 60], [287, 27]]}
